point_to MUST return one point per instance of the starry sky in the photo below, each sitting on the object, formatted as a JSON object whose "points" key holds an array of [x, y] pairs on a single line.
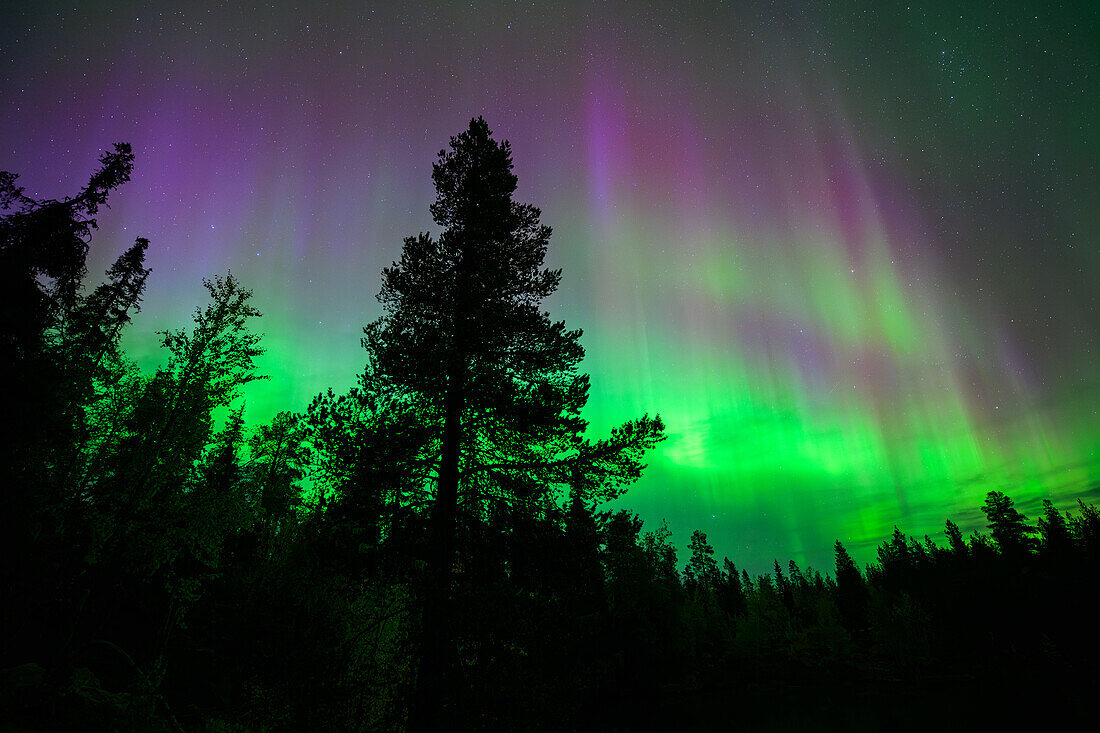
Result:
{"points": [[848, 250]]}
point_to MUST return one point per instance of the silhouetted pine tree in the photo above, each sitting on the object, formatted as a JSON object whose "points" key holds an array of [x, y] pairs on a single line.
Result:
{"points": [[1007, 525], [955, 539], [463, 333], [701, 572]]}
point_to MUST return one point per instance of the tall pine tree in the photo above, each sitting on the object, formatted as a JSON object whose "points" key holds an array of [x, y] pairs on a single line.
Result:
{"points": [[464, 334]]}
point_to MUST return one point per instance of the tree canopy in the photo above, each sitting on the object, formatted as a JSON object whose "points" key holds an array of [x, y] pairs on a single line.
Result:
{"points": [[434, 549]]}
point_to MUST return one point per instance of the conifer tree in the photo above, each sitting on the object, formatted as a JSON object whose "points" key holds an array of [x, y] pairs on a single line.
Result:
{"points": [[851, 589], [1054, 532], [56, 345], [782, 584], [701, 572], [464, 334], [731, 595], [1007, 525], [955, 538]]}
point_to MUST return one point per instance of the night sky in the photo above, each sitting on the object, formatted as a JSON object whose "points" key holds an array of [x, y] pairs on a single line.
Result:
{"points": [[848, 252]]}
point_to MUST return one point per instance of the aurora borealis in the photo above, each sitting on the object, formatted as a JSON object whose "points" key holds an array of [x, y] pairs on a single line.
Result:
{"points": [[848, 252]]}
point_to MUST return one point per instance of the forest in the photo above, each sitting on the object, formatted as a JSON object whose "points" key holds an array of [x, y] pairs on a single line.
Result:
{"points": [[441, 547]]}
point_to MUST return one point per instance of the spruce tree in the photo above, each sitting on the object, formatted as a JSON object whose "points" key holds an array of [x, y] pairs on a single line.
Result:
{"points": [[1056, 539], [731, 594], [464, 335], [851, 590]]}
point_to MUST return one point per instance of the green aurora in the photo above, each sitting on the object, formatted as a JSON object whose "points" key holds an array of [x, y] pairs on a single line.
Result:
{"points": [[848, 253]]}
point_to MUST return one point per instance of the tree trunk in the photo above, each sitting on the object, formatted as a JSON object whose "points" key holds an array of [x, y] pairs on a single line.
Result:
{"points": [[435, 679]]}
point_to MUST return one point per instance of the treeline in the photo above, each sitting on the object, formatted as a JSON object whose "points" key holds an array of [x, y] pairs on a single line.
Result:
{"points": [[167, 569]]}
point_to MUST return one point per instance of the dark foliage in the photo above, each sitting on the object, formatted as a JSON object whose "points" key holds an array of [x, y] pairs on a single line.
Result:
{"points": [[167, 567], [465, 340]]}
